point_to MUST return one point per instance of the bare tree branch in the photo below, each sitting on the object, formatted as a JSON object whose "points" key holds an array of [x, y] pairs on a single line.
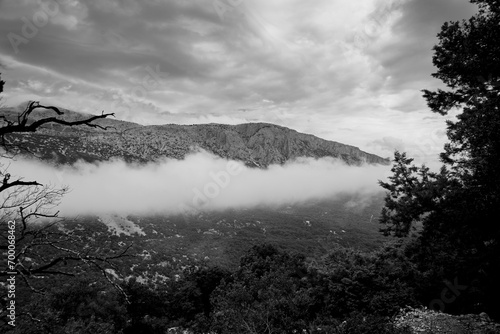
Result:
{"points": [[6, 184], [44, 249], [23, 126]]}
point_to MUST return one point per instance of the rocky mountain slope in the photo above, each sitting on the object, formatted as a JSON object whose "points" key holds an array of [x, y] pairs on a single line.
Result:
{"points": [[256, 144]]}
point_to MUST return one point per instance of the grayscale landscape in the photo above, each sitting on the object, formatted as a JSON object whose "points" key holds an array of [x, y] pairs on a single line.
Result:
{"points": [[236, 166]]}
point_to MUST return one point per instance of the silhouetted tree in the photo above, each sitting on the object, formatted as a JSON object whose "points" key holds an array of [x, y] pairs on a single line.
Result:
{"points": [[458, 208], [41, 249]]}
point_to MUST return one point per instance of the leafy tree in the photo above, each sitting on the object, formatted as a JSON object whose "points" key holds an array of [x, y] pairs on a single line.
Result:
{"points": [[271, 292], [467, 57], [456, 210], [146, 308], [191, 296], [77, 305], [414, 193], [183, 302], [377, 283]]}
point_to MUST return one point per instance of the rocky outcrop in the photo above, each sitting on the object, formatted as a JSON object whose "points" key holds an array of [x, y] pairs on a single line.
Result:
{"points": [[431, 322], [257, 144]]}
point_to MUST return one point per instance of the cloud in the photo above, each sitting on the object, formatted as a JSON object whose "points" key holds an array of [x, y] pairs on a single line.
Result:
{"points": [[316, 67], [407, 58], [199, 182], [390, 143]]}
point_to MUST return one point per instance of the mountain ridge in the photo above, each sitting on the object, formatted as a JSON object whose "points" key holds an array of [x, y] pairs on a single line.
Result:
{"points": [[256, 144]]}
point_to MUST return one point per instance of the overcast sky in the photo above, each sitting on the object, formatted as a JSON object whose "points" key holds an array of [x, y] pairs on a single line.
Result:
{"points": [[344, 70]]}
